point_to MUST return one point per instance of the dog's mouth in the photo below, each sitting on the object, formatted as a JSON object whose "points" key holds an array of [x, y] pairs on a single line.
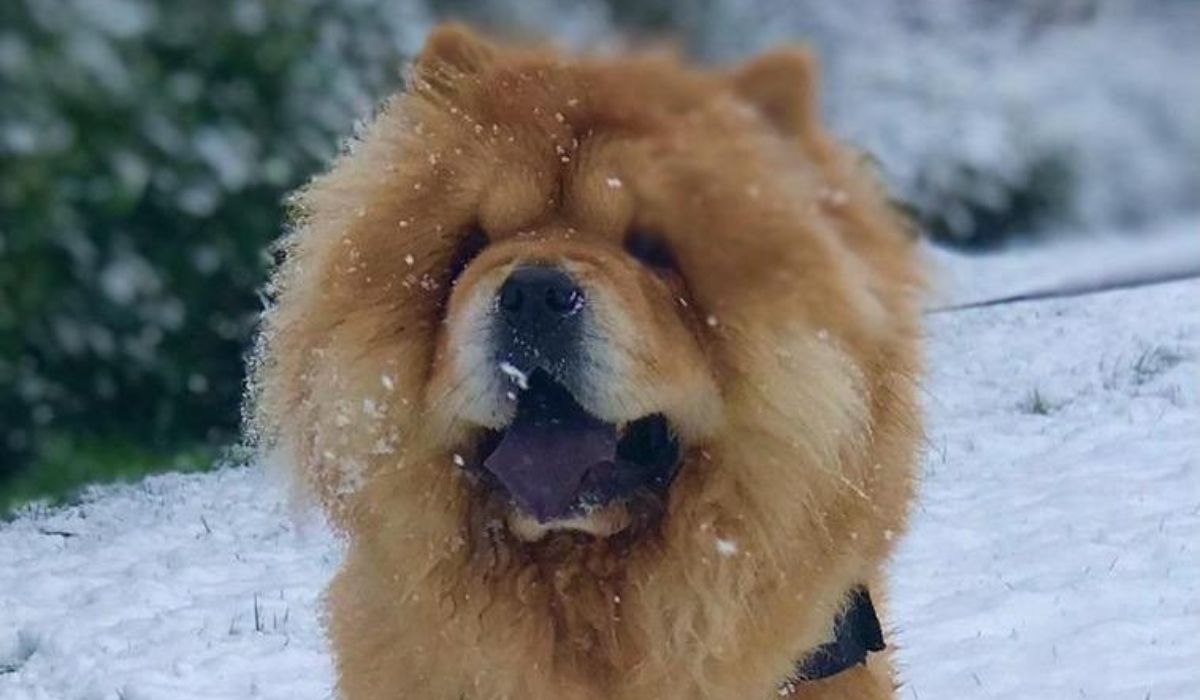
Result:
{"points": [[559, 465]]}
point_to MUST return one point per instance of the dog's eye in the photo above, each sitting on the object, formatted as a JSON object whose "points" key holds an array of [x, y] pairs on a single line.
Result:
{"points": [[650, 249], [468, 248]]}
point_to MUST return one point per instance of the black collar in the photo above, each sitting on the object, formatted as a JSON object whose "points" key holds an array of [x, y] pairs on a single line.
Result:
{"points": [[856, 633]]}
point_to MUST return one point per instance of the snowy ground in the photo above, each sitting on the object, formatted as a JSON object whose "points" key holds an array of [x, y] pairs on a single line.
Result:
{"points": [[1055, 553], [1056, 549]]}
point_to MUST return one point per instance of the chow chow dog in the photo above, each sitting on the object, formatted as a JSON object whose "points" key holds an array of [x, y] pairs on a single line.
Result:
{"points": [[604, 366]]}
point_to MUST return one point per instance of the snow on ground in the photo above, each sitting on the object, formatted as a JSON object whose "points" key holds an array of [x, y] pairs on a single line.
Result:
{"points": [[1056, 549], [1055, 552], [181, 587], [1068, 262]]}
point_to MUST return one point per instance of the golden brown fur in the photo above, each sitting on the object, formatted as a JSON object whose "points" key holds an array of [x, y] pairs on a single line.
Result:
{"points": [[784, 354]]}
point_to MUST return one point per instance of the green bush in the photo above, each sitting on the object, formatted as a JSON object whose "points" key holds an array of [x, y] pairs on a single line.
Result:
{"points": [[146, 148]]}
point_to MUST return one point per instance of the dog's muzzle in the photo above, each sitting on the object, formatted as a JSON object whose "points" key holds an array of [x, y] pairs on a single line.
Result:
{"points": [[554, 459]]}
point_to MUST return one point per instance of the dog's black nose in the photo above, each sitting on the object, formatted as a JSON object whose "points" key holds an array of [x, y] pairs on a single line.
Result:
{"points": [[538, 299], [540, 314]]}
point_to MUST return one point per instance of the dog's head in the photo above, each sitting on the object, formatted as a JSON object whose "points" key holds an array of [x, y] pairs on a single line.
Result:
{"points": [[549, 302]]}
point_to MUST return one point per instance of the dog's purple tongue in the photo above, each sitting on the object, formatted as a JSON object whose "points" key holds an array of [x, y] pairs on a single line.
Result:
{"points": [[549, 447]]}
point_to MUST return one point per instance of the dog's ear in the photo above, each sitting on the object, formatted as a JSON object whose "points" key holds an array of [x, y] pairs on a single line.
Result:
{"points": [[782, 86], [451, 52]]}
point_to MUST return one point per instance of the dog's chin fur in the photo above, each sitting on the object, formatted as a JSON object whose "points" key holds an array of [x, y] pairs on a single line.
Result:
{"points": [[602, 522], [781, 348]]}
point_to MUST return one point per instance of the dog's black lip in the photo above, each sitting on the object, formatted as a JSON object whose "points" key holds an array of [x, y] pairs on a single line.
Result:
{"points": [[648, 460], [649, 456]]}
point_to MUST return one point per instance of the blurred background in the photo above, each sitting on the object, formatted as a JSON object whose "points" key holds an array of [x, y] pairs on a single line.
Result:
{"points": [[147, 148]]}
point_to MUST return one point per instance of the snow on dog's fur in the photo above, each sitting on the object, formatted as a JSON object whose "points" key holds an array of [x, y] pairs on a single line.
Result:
{"points": [[775, 330]]}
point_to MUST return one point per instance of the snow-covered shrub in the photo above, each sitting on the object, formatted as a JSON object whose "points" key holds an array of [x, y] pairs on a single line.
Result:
{"points": [[146, 147], [995, 117]]}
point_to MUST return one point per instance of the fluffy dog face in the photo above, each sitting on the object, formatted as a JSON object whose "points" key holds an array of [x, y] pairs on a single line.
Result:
{"points": [[614, 312], [572, 363]]}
